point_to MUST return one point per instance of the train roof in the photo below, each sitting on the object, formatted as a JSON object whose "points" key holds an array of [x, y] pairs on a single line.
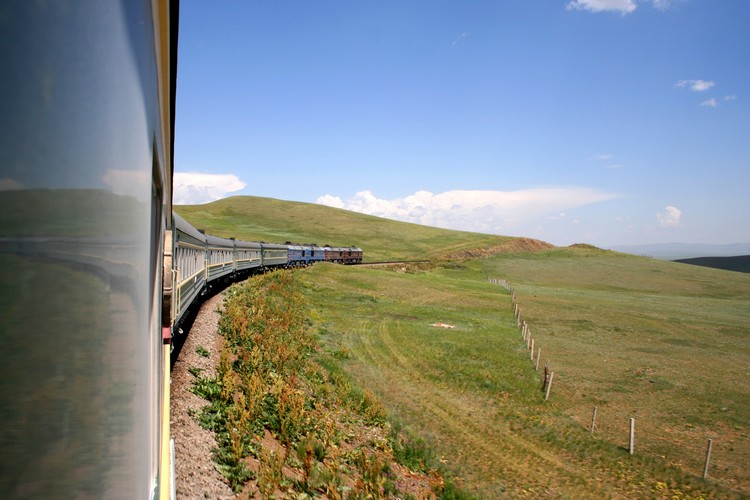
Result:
{"points": [[219, 241], [184, 226]]}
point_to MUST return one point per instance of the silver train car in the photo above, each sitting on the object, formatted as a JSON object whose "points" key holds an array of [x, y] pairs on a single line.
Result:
{"points": [[86, 147]]}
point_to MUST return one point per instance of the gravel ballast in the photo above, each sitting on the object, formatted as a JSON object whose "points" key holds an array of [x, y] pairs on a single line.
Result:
{"points": [[195, 471]]}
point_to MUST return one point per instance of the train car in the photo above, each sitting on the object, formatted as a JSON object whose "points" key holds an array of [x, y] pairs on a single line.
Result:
{"points": [[248, 256], [316, 253], [220, 265], [295, 255], [86, 176], [307, 254], [274, 255], [351, 255], [189, 255], [332, 254]]}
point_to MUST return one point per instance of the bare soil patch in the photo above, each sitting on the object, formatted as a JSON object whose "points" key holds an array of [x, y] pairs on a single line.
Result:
{"points": [[513, 246]]}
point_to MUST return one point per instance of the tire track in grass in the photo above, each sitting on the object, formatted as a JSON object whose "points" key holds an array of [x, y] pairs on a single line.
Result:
{"points": [[493, 451]]}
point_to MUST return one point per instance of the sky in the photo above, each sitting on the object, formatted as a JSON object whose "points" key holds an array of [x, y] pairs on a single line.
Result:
{"points": [[609, 122]]}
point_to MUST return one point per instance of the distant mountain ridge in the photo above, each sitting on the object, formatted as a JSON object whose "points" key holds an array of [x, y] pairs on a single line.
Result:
{"points": [[674, 251]]}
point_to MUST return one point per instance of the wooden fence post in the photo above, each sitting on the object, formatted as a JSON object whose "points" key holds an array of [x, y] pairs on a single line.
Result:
{"points": [[708, 458], [538, 357], [632, 436], [549, 385], [532, 350], [593, 420]]}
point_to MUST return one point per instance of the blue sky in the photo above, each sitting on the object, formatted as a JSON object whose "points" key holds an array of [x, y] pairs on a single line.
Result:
{"points": [[601, 121]]}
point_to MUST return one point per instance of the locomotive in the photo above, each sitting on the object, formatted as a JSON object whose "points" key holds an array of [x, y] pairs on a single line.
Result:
{"points": [[95, 270]]}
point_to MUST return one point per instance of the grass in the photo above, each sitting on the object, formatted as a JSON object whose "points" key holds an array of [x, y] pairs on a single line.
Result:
{"points": [[658, 341], [472, 394]]}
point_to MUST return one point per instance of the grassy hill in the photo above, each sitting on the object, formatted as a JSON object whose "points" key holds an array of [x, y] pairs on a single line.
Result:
{"points": [[266, 219], [664, 343]]}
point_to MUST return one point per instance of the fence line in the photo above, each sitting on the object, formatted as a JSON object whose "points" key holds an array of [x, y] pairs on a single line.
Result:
{"points": [[600, 424]]}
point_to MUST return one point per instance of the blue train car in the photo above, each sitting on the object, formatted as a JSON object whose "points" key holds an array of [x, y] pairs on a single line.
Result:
{"points": [[317, 254], [295, 255]]}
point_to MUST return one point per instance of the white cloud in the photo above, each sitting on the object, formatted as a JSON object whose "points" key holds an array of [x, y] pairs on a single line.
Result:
{"points": [[696, 85], [192, 188], [622, 6], [670, 217], [331, 201], [482, 211], [662, 4], [710, 102], [731, 97]]}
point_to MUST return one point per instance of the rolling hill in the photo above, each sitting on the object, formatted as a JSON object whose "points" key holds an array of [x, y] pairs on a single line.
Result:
{"points": [[266, 219]]}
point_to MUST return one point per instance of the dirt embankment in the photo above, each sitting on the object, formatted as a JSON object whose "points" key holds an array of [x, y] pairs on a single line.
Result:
{"points": [[515, 245]]}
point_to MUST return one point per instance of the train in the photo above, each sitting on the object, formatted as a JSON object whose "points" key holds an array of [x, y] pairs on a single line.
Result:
{"points": [[201, 263], [96, 271]]}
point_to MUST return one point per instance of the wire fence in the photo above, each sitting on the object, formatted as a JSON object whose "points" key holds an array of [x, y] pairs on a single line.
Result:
{"points": [[696, 451]]}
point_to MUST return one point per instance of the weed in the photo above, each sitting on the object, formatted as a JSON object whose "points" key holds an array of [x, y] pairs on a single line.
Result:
{"points": [[373, 481], [342, 352], [207, 387], [270, 472], [412, 453], [202, 351]]}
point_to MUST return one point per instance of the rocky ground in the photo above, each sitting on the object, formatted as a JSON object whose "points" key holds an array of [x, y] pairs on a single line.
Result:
{"points": [[196, 475]]}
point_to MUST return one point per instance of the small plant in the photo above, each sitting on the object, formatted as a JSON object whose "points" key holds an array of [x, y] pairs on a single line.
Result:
{"points": [[270, 472], [306, 456], [412, 453], [373, 481], [342, 352], [207, 387], [235, 471], [202, 351], [195, 371]]}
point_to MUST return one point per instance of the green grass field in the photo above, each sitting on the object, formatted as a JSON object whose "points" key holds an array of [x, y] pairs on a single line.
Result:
{"points": [[473, 393], [664, 343], [661, 342]]}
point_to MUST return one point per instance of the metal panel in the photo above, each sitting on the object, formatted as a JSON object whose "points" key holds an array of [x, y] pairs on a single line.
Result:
{"points": [[83, 144]]}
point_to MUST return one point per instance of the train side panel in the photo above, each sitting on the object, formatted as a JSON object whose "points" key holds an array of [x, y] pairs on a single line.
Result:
{"points": [[86, 145], [274, 255], [189, 257], [220, 263], [248, 255]]}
